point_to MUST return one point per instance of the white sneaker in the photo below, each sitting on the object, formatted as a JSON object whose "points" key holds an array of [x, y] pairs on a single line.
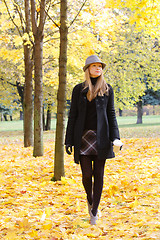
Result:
{"points": [[93, 219]]}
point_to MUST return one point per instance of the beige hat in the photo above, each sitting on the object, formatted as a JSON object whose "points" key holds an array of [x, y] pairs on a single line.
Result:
{"points": [[93, 59]]}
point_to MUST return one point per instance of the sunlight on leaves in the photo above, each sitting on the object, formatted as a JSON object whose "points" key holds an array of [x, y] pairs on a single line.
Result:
{"points": [[34, 207]]}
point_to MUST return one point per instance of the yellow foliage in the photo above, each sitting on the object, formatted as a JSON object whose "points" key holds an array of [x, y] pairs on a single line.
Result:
{"points": [[144, 13], [34, 207], [18, 41]]}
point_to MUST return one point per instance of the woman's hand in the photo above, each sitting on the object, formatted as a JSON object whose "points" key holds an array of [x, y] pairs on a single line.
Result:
{"points": [[117, 145], [68, 149]]}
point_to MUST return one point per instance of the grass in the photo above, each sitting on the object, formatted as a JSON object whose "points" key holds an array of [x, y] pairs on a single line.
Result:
{"points": [[130, 121], [149, 128], [12, 130]]}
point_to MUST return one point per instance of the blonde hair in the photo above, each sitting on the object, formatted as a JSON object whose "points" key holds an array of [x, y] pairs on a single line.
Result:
{"points": [[99, 89]]}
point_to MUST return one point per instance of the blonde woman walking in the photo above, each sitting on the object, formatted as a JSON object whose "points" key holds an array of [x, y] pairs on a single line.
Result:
{"points": [[92, 130]]}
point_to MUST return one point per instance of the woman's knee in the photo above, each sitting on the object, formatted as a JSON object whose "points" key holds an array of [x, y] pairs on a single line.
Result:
{"points": [[87, 176]]}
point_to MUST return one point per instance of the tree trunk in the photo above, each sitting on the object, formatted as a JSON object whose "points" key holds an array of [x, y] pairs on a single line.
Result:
{"points": [[5, 117], [38, 97], [38, 29], [21, 115], [139, 112], [48, 122], [61, 95], [28, 87], [153, 109], [28, 100], [120, 112], [43, 119]]}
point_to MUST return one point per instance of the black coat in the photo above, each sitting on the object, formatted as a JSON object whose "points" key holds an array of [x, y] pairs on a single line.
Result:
{"points": [[107, 128]]}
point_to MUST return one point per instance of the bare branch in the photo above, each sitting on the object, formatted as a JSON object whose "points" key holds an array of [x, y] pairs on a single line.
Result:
{"points": [[48, 8], [57, 38], [20, 14], [12, 18], [11, 83], [77, 14], [52, 21], [46, 12], [51, 60]]}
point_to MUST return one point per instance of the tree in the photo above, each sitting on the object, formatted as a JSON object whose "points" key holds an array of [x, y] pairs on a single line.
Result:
{"points": [[142, 54], [151, 97], [38, 32], [61, 95], [28, 87], [33, 45], [24, 30], [139, 111], [133, 57]]}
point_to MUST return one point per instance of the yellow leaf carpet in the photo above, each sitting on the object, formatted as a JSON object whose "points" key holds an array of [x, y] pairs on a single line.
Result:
{"points": [[34, 207]]}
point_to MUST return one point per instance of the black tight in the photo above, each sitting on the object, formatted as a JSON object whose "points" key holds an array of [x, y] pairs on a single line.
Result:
{"points": [[97, 171]]}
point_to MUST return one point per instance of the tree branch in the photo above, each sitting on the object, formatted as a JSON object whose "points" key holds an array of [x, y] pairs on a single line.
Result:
{"points": [[33, 16], [51, 60], [57, 38], [20, 14], [46, 12], [12, 18], [48, 8], [77, 14], [27, 16], [42, 15], [11, 83]]}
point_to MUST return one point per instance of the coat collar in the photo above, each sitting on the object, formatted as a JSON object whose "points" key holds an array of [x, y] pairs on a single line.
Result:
{"points": [[84, 90]]}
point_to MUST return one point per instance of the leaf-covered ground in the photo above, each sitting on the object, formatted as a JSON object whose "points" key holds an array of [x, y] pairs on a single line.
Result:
{"points": [[33, 207]]}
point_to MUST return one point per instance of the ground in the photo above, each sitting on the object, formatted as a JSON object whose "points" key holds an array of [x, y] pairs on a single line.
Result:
{"points": [[34, 207]]}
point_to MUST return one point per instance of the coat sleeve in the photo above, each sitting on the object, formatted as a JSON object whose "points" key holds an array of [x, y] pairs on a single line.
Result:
{"points": [[69, 138], [113, 125]]}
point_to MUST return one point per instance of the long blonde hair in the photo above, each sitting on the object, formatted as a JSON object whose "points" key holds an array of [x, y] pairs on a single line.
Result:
{"points": [[99, 89]]}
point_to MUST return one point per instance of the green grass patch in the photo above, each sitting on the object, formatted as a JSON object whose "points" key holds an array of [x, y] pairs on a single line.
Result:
{"points": [[13, 130], [130, 121], [123, 122]]}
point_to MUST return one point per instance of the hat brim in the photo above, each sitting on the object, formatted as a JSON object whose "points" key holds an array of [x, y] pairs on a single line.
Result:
{"points": [[86, 66]]}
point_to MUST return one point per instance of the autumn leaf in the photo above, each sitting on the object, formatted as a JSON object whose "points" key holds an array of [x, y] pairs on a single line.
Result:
{"points": [[34, 207]]}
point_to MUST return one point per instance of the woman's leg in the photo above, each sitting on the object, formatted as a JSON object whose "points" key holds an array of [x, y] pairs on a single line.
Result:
{"points": [[98, 173], [86, 167]]}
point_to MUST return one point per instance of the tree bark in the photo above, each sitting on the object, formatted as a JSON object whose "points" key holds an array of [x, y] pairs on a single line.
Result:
{"points": [[43, 119], [120, 112], [28, 87], [5, 117], [48, 121], [61, 95], [139, 112], [21, 117], [38, 28], [38, 97], [153, 109]]}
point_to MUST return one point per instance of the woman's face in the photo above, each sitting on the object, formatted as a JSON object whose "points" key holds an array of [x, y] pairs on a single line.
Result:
{"points": [[95, 70]]}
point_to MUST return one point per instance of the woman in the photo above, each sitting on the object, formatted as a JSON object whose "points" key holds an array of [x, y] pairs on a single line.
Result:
{"points": [[92, 129]]}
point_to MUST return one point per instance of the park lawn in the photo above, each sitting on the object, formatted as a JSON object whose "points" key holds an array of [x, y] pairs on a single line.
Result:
{"points": [[123, 122], [34, 207], [13, 130]]}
